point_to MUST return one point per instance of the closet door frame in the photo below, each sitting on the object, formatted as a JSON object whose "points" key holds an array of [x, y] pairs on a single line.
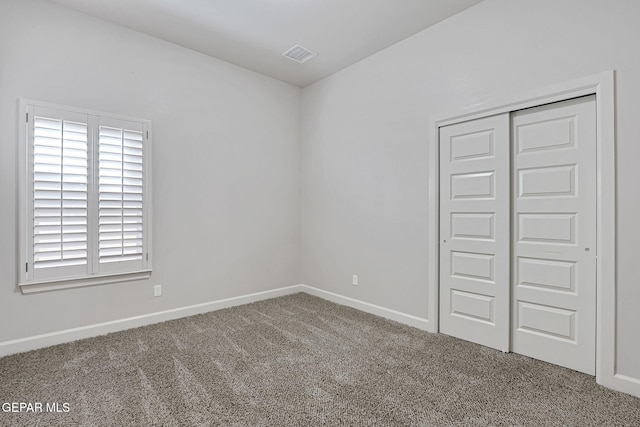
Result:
{"points": [[602, 86]]}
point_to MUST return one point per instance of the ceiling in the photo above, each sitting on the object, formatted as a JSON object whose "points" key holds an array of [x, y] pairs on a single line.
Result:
{"points": [[254, 33]]}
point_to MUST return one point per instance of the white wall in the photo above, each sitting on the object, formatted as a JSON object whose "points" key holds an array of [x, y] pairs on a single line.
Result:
{"points": [[365, 136], [225, 164]]}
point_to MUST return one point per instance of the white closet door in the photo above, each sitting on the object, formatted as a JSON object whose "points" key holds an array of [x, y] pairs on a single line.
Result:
{"points": [[474, 231], [554, 233]]}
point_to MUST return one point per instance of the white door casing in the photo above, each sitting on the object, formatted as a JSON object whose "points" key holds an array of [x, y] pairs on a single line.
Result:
{"points": [[554, 233], [474, 231]]}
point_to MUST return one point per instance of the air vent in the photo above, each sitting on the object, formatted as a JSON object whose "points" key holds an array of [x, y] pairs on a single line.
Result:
{"points": [[299, 54]]}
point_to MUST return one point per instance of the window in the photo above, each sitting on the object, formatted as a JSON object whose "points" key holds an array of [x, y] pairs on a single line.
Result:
{"points": [[85, 198]]}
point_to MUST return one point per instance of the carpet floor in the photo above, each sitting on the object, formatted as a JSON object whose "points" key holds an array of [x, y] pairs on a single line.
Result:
{"points": [[297, 361]]}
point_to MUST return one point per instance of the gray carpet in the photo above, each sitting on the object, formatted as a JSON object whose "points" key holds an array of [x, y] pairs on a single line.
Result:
{"points": [[298, 361]]}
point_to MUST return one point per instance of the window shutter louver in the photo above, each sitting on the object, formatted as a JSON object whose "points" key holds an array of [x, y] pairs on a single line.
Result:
{"points": [[121, 228], [60, 179]]}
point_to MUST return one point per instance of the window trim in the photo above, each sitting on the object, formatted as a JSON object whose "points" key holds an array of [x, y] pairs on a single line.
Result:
{"points": [[24, 219]]}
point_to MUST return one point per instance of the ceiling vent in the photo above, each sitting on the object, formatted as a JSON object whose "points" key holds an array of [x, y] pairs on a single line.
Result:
{"points": [[299, 54]]}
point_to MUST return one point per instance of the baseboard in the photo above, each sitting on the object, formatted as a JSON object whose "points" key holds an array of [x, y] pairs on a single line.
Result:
{"points": [[68, 335], [623, 383], [618, 382], [45, 340], [407, 319]]}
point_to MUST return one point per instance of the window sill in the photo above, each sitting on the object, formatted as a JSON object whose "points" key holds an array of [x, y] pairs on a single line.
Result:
{"points": [[67, 283]]}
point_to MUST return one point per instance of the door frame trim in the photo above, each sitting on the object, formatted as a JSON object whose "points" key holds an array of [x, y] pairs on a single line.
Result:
{"points": [[603, 86]]}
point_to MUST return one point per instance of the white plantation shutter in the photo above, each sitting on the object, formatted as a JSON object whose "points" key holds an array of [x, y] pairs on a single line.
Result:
{"points": [[120, 194], [84, 198], [59, 161]]}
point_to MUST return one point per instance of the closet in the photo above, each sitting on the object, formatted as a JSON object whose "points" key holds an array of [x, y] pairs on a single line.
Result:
{"points": [[518, 232]]}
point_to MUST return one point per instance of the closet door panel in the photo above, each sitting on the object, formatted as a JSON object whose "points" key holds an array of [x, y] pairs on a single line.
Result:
{"points": [[554, 233], [474, 231]]}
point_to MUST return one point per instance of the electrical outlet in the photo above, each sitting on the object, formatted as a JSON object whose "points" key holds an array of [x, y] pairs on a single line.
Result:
{"points": [[157, 290], [354, 282]]}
